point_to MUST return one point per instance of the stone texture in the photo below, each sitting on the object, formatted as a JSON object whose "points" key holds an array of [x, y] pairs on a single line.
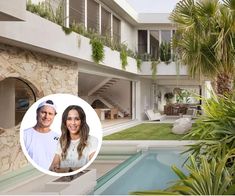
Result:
{"points": [[182, 126], [46, 75]]}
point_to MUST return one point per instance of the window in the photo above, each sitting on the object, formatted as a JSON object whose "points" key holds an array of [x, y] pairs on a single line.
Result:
{"points": [[116, 30], [105, 22], [142, 41], [165, 47], [166, 36], [92, 15], [154, 44], [76, 11]]}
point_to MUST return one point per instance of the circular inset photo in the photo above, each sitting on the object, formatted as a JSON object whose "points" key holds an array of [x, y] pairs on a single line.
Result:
{"points": [[61, 134]]}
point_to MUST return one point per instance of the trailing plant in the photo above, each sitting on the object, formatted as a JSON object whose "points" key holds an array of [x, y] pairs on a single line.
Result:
{"points": [[154, 68], [138, 62], [130, 53], [123, 56], [97, 50], [165, 52], [67, 30]]}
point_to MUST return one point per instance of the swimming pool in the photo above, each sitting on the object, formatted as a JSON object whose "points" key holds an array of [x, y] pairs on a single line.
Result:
{"points": [[149, 170]]}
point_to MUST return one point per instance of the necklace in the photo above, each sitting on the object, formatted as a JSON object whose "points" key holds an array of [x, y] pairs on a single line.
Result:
{"points": [[73, 145]]}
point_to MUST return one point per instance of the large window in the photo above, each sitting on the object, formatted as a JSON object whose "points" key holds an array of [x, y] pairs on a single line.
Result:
{"points": [[142, 41], [165, 47], [116, 29], [105, 22], [154, 44], [166, 36], [77, 11], [92, 15]]}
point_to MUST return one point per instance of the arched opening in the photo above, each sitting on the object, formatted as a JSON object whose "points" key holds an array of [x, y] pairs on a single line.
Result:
{"points": [[16, 96]]}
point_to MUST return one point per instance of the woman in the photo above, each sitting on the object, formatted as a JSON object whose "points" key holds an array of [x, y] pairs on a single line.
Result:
{"points": [[75, 147]]}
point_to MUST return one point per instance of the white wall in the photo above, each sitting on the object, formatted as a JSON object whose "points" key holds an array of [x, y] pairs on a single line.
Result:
{"points": [[120, 93], [145, 93], [37, 1], [154, 18], [7, 104], [163, 69], [207, 89], [129, 35], [162, 101]]}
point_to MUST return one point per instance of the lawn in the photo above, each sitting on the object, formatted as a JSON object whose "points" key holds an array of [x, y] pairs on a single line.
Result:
{"points": [[146, 131]]}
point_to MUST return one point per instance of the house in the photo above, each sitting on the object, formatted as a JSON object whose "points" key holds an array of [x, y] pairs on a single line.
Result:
{"points": [[38, 57]]}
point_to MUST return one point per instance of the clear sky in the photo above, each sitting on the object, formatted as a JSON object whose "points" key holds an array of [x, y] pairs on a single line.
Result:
{"points": [[153, 6]]}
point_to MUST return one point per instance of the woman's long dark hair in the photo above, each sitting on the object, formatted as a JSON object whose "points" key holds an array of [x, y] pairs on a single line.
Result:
{"points": [[65, 138]]}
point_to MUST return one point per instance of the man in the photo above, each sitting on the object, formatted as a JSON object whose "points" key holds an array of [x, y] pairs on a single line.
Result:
{"points": [[40, 141]]}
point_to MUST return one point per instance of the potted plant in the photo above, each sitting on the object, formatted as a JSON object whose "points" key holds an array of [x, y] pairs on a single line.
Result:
{"points": [[168, 96]]}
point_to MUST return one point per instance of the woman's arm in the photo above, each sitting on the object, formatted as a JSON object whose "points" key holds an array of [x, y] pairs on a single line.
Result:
{"points": [[55, 165]]}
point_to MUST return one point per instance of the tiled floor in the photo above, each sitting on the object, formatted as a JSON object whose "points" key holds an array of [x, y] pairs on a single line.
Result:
{"points": [[169, 119], [107, 123]]}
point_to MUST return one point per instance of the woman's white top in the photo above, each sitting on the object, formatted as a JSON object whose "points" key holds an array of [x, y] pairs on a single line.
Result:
{"points": [[72, 154]]}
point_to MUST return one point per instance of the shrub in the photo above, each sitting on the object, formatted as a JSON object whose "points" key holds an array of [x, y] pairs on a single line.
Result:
{"points": [[97, 50]]}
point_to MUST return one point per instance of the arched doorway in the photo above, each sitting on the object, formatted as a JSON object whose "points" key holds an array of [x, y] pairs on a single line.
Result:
{"points": [[16, 96]]}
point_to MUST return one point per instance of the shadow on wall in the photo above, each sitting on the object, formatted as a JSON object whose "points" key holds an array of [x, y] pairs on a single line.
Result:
{"points": [[11, 154]]}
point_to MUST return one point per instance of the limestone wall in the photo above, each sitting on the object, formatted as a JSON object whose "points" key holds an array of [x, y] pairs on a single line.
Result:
{"points": [[46, 75]]}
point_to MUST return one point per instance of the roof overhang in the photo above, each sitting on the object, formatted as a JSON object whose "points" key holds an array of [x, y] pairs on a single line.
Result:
{"points": [[13, 10], [136, 19]]}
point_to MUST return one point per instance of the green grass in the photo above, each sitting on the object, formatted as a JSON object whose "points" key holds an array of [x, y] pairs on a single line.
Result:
{"points": [[146, 131]]}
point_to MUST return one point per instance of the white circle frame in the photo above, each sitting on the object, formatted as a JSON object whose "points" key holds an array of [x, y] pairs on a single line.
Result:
{"points": [[62, 101]]}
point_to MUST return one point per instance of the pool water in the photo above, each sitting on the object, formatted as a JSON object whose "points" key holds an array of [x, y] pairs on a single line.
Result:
{"points": [[150, 171]]}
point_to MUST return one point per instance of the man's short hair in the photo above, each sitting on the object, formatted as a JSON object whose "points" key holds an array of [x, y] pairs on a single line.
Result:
{"points": [[47, 103]]}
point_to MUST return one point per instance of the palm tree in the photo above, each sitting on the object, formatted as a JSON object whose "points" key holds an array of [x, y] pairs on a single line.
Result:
{"points": [[205, 39]]}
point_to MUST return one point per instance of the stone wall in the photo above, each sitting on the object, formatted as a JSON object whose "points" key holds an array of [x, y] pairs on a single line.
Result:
{"points": [[46, 75]]}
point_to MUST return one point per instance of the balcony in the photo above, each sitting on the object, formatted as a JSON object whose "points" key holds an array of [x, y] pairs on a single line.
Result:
{"points": [[163, 69], [47, 37]]}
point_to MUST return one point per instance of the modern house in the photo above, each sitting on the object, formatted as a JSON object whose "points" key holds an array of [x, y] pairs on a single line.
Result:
{"points": [[38, 57]]}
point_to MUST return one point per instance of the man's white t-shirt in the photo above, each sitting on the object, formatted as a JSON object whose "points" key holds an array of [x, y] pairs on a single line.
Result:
{"points": [[41, 147], [72, 154]]}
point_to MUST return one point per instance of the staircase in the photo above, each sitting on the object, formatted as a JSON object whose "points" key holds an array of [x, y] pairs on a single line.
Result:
{"points": [[121, 111], [99, 91], [106, 86]]}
